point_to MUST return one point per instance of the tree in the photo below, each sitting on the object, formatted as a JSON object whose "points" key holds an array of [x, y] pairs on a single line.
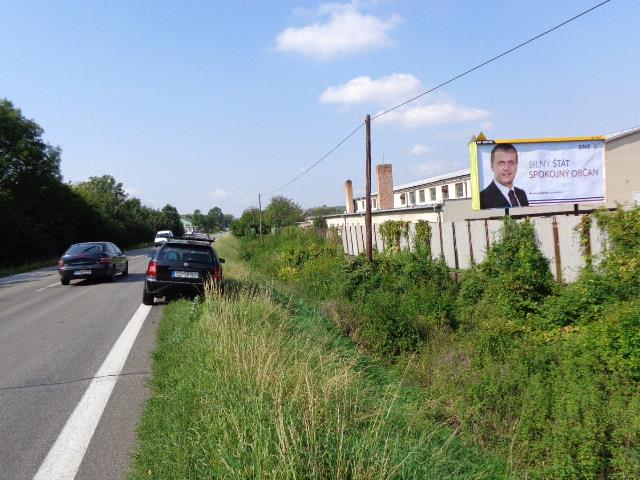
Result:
{"points": [[25, 160], [214, 219], [39, 213], [104, 193], [322, 211], [227, 220], [318, 214], [282, 211], [248, 223], [198, 220], [171, 220]]}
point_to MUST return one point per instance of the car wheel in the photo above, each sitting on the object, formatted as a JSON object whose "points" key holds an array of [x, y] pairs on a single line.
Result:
{"points": [[147, 298], [64, 281], [111, 276], [125, 272]]}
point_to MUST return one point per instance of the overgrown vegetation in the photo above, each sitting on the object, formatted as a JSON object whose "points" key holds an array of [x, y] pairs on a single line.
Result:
{"points": [[545, 375], [392, 232], [257, 384]]}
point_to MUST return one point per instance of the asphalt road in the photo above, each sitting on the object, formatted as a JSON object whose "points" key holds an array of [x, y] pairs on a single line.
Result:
{"points": [[53, 340]]}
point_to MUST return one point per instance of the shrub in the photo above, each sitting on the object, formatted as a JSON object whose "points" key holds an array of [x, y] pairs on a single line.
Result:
{"points": [[511, 283], [422, 240]]}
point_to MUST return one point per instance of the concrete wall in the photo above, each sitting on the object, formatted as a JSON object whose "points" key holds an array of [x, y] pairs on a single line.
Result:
{"points": [[622, 169], [378, 217], [463, 243]]}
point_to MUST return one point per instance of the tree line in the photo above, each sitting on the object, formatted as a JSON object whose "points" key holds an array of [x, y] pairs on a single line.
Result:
{"points": [[41, 215], [280, 212], [212, 221]]}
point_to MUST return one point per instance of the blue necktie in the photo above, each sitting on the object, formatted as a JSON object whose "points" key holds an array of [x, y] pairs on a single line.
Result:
{"points": [[512, 199]]}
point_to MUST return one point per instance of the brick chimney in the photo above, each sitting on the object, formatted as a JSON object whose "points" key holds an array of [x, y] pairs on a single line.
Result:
{"points": [[348, 196], [385, 185]]}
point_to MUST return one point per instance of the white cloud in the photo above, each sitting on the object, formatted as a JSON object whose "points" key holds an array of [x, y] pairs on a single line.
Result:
{"points": [[218, 194], [397, 88], [383, 91], [433, 114], [419, 150], [346, 32]]}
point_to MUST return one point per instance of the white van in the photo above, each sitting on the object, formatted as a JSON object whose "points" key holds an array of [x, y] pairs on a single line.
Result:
{"points": [[162, 237]]}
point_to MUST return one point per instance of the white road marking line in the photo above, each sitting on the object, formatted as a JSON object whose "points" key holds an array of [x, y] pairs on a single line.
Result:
{"points": [[48, 286], [64, 458]]}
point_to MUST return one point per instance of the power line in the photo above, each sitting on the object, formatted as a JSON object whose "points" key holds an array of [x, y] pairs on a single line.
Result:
{"points": [[318, 161], [506, 52]]}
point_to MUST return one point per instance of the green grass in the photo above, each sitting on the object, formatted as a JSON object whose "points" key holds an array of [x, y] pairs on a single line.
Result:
{"points": [[248, 386]]}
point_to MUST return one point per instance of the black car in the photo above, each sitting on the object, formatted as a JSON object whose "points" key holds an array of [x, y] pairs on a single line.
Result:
{"points": [[92, 260], [181, 266]]}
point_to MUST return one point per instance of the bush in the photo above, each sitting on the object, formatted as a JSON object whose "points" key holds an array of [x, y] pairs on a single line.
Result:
{"points": [[511, 283], [546, 375]]}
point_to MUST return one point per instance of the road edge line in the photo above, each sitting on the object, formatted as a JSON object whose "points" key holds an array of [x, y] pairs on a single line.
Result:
{"points": [[65, 456]]}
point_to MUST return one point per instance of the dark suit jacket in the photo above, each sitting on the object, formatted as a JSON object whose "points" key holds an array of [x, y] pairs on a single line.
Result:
{"points": [[491, 197]]}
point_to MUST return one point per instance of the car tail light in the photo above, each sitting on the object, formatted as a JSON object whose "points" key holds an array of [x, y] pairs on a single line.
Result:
{"points": [[216, 274], [152, 269], [60, 263], [104, 260]]}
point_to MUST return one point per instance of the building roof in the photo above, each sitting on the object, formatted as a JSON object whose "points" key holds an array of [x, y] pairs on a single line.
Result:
{"points": [[622, 133], [437, 178]]}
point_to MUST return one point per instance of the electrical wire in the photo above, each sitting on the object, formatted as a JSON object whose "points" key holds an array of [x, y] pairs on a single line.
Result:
{"points": [[493, 59], [506, 52], [318, 161]]}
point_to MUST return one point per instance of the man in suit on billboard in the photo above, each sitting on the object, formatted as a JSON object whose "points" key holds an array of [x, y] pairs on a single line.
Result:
{"points": [[501, 193]]}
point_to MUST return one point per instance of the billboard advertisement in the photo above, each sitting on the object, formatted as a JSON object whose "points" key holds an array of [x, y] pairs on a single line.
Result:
{"points": [[528, 172]]}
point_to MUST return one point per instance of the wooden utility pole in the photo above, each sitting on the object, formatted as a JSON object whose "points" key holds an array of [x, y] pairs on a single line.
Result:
{"points": [[367, 215], [260, 207]]}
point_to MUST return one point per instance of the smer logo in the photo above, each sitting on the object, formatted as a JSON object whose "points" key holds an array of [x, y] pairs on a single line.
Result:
{"points": [[186, 264]]}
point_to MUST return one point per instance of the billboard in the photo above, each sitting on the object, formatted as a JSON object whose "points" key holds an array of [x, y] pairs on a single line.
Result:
{"points": [[528, 172]]}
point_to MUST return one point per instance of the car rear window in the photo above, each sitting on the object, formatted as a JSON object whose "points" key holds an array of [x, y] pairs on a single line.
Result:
{"points": [[186, 253], [84, 248], [163, 235]]}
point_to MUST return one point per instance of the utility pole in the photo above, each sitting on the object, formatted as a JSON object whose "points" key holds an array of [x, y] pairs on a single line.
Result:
{"points": [[260, 207], [367, 215]]}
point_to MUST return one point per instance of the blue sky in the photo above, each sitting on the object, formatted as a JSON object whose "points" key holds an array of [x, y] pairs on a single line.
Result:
{"points": [[203, 104]]}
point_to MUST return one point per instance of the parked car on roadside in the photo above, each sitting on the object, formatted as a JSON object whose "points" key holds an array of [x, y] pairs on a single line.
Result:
{"points": [[181, 266], [162, 236], [92, 260]]}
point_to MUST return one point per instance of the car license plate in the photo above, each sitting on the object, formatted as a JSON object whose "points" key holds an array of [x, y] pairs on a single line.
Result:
{"points": [[180, 274], [82, 272]]}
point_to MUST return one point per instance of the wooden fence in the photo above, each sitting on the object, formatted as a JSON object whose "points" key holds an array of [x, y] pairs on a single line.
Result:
{"points": [[465, 242]]}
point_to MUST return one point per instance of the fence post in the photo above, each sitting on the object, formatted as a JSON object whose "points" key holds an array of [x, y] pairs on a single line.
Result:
{"points": [[440, 233], [486, 232], [470, 242], [556, 245], [455, 246], [375, 237]]}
